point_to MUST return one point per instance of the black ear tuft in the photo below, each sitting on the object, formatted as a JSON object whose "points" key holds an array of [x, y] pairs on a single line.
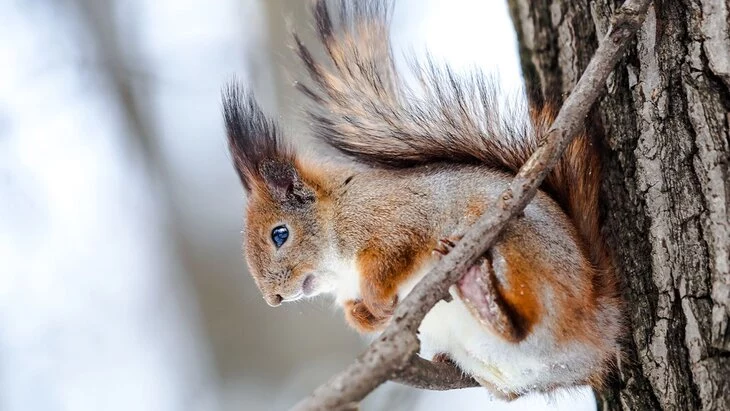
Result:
{"points": [[253, 138], [260, 155]]}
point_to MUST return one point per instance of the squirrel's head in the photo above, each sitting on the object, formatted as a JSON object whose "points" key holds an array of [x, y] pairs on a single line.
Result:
{"points": [[284, 240]]}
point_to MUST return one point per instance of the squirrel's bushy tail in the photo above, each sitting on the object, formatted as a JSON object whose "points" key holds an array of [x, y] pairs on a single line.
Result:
{"points": [[363, 108]]}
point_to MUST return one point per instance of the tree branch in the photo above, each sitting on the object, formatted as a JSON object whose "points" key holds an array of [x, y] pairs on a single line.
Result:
{"points": [[391, 355], [429, 375]]}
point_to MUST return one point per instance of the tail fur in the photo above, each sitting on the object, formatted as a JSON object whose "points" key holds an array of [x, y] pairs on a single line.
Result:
{"points": [[363, 108]]}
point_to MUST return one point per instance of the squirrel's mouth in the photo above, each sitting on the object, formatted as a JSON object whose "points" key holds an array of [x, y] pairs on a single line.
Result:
{"points": [[294, 297], [308, 288]]}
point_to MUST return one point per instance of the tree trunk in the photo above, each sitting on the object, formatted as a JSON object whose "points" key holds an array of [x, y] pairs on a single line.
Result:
{"points": [[664, 124]]}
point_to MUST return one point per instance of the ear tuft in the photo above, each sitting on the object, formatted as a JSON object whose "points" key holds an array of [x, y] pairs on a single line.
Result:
{"points": [[261, 157], [252, 137]]}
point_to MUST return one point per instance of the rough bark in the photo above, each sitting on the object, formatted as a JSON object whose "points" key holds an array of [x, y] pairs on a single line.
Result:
{"points": [[664, 124]]}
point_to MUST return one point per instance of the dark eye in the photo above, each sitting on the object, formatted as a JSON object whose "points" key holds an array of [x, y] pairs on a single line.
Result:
{"points": [[279, 235]]}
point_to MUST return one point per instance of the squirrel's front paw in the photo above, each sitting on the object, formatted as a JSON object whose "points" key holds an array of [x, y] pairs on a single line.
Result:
{"points": [[361, 318], [445, 245]]}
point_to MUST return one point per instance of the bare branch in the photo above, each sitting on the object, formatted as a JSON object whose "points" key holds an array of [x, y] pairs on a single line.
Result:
{"points": [[392, 353], [428, 375]]}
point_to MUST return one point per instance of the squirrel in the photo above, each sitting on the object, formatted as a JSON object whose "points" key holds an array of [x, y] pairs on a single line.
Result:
{"points": [[541, 309]]}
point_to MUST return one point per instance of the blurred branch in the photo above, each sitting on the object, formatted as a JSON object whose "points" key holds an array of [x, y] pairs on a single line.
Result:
{"points": [[392, 353], [114, 51], [99, 19]]}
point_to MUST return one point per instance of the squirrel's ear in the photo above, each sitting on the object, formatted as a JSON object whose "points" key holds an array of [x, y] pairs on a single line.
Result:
{"points": [[261, 157], [285, 184], [253, 138]]}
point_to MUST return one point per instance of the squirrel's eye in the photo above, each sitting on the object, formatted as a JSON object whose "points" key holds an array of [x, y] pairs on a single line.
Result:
{"points": [[279, 235]]}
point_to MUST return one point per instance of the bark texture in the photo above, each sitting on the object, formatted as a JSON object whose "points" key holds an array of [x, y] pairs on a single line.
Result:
{"points": [[664, 124]]}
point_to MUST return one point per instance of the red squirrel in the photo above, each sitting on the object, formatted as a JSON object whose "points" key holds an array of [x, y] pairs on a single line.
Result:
{"points": [[540, 311]]}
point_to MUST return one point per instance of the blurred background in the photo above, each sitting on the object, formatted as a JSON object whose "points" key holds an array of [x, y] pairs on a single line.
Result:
{"points": [[122, 285]]}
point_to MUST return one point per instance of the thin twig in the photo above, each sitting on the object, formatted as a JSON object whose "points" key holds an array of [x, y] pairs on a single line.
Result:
{"points": [[393, 351]]}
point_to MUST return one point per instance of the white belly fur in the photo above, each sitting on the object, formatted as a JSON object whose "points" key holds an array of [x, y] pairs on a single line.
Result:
{"points": [[535, 363]]}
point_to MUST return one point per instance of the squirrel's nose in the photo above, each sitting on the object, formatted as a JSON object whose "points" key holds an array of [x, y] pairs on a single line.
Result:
{"points": [[274, 300]]}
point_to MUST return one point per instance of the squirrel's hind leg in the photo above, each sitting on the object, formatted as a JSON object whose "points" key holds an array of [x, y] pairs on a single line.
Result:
{"points": [[479, 290]]}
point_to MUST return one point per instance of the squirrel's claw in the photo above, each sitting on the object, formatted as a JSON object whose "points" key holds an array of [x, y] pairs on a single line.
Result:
{"points": [[445, 245]]}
